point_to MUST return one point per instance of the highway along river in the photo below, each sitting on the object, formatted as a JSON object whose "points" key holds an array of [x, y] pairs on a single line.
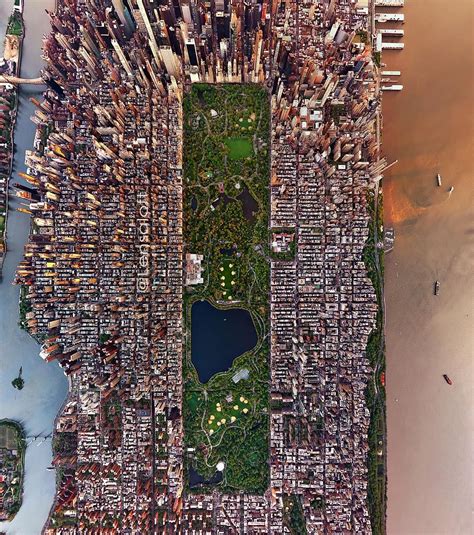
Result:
{"points": [[45, 384], [218, 337], [428, 127]]}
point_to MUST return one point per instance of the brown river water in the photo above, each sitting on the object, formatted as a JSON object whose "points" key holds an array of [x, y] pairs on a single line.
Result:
{"points": [[428, 127]]}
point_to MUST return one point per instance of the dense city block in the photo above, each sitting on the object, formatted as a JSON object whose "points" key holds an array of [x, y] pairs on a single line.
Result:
{"points": [[208, 153]]}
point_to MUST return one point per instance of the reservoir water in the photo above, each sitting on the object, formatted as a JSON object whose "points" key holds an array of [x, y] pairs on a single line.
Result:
{"points": [[428, 127], [45, 384], [218, 337]]}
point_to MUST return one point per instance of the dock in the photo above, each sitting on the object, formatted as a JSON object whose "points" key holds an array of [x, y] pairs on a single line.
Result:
{"points": [[394, 32], [393, 46], [389, 3], [391, 73], [393, 87], [388, 239], [389, 17]]}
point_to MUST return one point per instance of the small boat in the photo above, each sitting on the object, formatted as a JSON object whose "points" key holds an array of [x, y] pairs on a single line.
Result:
{"points": [[24, 211], [436, 287], [447, 379], [438, 179], [451, 189]]}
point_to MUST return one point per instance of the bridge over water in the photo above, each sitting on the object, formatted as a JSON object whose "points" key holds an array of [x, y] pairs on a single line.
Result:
{"points": [[16, 80]]}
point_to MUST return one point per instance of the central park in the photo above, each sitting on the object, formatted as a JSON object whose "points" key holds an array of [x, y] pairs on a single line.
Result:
{"points": [[226, 209]]}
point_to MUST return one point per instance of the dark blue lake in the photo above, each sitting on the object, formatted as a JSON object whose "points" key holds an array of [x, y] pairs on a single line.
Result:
{"points": [[196, 479], [218, 337]]}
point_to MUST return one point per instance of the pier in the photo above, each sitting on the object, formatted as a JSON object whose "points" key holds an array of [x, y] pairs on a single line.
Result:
{"points": [[389, 17], [389, 3], [393, 87], [394, 32], [393, 46]]}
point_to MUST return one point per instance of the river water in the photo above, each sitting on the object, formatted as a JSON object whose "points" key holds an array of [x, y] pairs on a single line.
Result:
{"points": [[428, 127], [45, 384]]}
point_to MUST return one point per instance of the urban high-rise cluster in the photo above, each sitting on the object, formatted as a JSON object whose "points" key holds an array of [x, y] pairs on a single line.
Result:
{"points": [[104, 266]]}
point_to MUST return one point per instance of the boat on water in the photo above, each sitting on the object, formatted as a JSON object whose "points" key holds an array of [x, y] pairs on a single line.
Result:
{"points": [[451, 189], [438, 179], [436, 287], [447, 379]]}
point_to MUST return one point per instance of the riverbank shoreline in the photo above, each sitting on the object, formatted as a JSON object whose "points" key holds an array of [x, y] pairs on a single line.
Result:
{"points": [[373, 257], [375, 393], [45, 383], [69, 396], [6, 423], [11, 34]]}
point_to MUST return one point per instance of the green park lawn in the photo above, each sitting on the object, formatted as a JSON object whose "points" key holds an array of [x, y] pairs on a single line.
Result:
{"points": [[239, 147]]}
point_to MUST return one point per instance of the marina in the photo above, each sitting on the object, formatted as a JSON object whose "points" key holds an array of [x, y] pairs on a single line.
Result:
{"points": [[391, 34]]}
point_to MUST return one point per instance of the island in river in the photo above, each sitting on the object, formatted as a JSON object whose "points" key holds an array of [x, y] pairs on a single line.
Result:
{"points": [[19, 382]]}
